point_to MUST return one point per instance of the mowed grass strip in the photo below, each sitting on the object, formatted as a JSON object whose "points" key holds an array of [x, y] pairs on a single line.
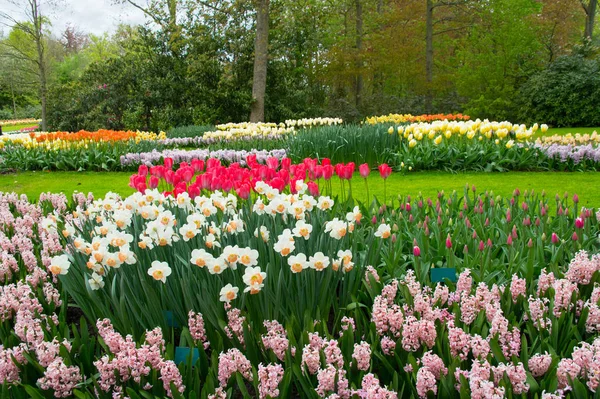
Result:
{"points": [[427, 183], [16, 128]]}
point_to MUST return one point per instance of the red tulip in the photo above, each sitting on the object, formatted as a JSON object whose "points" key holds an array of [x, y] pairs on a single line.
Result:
{"points": [[364, 170], [205, 181], [318, 172], [313, 188], [169, 176], [193, 191], [143, 170], [286, 163], [325, 161], [154, 182], [168, 162], [278, 184], [272, 162], [243, 191], [227, 185], [327, 172], [198, 165], [384, 170]]}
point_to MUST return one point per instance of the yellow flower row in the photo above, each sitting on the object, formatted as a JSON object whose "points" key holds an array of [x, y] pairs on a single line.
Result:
{"points": [[408, 118], [13, 122], [573, 139], [439, 130]]}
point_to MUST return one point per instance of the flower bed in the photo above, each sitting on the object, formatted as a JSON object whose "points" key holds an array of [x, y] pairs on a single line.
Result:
{"points": [[179, 156], [289, 294]]}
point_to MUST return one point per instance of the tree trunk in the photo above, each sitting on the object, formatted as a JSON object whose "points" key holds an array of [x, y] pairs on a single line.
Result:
{"points": [[359, 35], [590, 16], [261, 43], [429, 54], [12, 92], [39, 43]]}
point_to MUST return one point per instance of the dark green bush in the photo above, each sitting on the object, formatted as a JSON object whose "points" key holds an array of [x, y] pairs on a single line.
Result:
{"points": [[567, 93]]}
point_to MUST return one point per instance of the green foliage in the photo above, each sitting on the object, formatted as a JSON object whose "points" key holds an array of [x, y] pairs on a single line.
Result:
{"points": [[567, 93], [189, 131]]}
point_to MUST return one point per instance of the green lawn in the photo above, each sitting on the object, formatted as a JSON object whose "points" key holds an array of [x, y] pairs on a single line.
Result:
{"points": [[428, 183], [566, 130], [14, 128]]}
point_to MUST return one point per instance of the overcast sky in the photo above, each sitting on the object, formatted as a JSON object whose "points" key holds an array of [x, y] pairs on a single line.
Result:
{"points": [[90, 16]]}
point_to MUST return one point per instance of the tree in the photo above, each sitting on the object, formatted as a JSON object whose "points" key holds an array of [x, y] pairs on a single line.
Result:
{"points": [[33, 28], [590, 8], [261, 54]]}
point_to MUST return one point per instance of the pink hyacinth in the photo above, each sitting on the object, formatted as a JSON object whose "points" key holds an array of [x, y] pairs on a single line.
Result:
{"points": [[388, 346], [426, 382], [362, 355], [582, 268], [435, 364], [539, 364], [235, 324], [518, 287], [460, 342], [348, 323], [269, 378], [276, 339], [60, 378], [197, 330], [231, 362], [567, 369], [370, 389]]}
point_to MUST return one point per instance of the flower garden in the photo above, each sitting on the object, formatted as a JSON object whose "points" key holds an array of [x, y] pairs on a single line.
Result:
{"points": [[241, 263]]}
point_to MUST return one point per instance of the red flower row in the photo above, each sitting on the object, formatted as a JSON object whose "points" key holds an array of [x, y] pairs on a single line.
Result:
{"points": [[199, 175]]}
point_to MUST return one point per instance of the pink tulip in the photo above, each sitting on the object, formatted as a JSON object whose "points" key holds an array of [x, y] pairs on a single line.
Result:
{"points": [[574, 237], [416, 250], [579, 223], [364, 170], [448, 242], [555, 239], [481, 245]]}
